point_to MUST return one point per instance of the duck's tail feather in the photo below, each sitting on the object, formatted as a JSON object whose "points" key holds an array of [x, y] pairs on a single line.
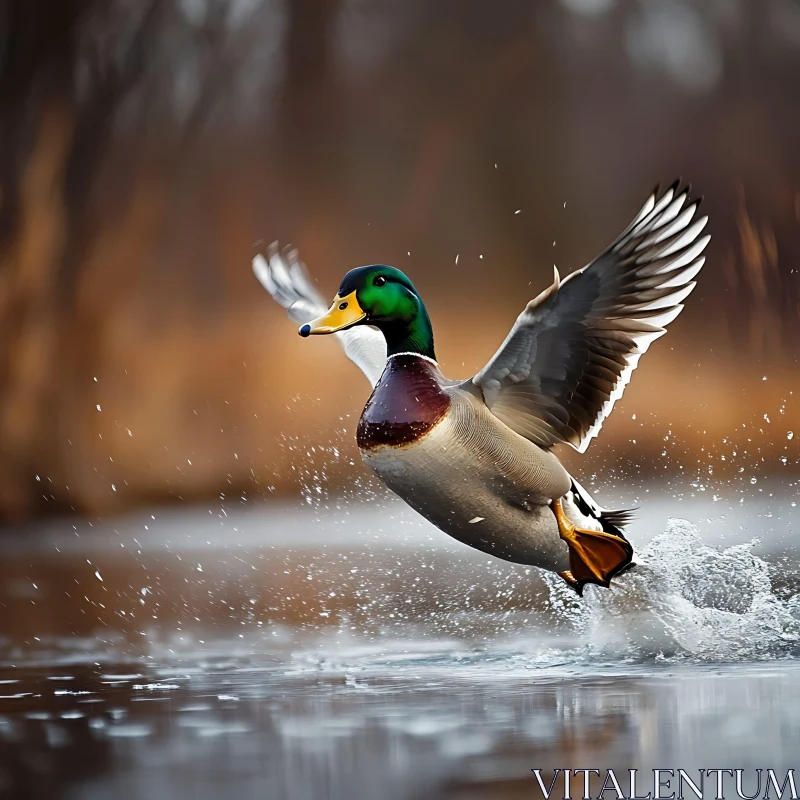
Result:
{"points": [[613, 521], [619, 518]]}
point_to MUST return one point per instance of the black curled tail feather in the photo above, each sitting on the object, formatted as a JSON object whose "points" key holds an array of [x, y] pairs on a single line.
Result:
{"points": [[612, 521], [618, 519]]}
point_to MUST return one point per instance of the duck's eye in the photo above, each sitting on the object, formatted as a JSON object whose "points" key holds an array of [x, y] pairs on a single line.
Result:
{"points": [[379, 281], [342, 306]]}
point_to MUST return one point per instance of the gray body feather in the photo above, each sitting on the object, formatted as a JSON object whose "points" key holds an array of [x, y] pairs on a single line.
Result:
{"points": [[481, 483]]}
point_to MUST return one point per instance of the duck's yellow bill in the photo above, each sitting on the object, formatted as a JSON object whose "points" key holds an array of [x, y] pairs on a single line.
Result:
{"points": [[344, 312]]}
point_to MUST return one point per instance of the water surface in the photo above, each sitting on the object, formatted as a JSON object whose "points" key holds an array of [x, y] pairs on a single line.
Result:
{"points": [[357, 652]]}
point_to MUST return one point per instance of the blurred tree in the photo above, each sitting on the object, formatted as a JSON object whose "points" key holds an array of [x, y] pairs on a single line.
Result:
{"points": [[58, 98]]}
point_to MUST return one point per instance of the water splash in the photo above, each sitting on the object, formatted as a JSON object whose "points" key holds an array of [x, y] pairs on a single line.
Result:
{"points": [[686, 600]]}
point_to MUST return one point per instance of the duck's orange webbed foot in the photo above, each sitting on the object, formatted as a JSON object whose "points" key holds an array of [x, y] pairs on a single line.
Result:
{"points": [[594, 556]]}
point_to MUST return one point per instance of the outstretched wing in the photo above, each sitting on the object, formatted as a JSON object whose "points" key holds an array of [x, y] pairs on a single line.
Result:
{"points": [[571, 352], [285, 277]]}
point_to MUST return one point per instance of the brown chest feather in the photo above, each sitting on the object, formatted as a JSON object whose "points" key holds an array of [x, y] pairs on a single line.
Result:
{"points": [[407, 402]]}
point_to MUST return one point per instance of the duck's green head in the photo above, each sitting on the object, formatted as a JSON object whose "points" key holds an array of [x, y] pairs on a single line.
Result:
{"points": [[385, 298]]}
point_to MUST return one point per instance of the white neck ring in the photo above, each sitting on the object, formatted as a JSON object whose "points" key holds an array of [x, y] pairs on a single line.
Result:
{"points": [[417, 355]]}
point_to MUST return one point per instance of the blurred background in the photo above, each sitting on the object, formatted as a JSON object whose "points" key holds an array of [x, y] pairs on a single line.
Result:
{"points": [[148, 149], [202, 590]]}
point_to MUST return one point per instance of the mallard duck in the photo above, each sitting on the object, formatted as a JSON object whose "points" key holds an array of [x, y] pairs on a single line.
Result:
{"points": [[475, 457]]}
